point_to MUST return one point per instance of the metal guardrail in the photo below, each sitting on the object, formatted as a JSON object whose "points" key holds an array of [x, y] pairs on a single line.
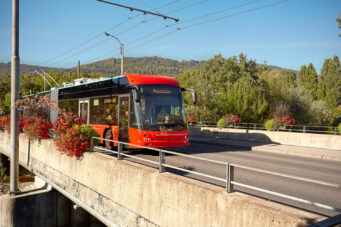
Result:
{"points": [[288, 128], [229, 181]]}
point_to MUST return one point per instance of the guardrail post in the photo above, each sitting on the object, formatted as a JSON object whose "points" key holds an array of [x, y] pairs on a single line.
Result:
{"points": [[304, 129], [254, 126], [28, 153], [229, 177], [92, 144], [335, 131], [119, 151], [162, 157]]}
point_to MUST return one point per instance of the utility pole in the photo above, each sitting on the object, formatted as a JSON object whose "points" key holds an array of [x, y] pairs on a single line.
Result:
{"points": [[121, 49], [44, 82], [15, 75], [79, 69]]}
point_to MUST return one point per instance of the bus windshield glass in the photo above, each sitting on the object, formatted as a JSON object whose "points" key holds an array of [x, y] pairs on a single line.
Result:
{"points": [[162, 108]]}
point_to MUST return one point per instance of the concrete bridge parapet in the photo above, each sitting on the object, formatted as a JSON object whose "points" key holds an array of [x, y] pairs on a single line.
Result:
{"points": [[130, 194]]}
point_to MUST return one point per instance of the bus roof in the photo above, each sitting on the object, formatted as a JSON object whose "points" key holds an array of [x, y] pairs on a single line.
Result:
{"points": [[138, 79]]}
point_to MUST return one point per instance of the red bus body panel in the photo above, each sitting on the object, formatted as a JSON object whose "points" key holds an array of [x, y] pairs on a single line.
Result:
{"points": [[155, 139], [137, 79]]}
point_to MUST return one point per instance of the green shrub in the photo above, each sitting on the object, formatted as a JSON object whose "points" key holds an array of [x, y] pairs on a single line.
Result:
{"points": [[221, 123], [339, 127], [270, 125]]}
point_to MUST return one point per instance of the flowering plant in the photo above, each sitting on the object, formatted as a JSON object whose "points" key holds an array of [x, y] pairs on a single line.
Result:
{"points": [[37, 128], [76, 140], [284, 121], [229, 120], [5, 123], [66, 121]]}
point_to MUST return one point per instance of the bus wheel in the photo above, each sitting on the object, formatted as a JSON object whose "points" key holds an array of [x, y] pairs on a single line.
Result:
{"points": [[109, 136]]}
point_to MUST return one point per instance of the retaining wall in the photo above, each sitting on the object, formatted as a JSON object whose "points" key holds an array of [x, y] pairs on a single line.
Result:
{"points": [[130, 194], [286, 138]]}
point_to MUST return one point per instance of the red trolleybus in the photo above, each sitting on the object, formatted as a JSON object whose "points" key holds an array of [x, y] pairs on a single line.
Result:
{"points": [[138, 109]]}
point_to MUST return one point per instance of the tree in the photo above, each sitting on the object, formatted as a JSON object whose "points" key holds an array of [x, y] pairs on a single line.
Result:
{"points": [[7, 103], [307, 79], [289, 78], [218, 80], [247, 99], [329, 84]]}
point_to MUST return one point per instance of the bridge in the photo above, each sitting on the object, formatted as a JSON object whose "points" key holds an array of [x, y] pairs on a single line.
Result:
{"points": [[136, 191]]}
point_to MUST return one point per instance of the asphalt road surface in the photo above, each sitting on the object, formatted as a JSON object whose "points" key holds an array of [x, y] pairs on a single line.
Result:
{"points": [[318, 169]]}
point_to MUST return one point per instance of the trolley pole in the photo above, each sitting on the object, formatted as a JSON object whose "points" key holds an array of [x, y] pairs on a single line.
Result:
{"points": [[121, 50], [15, 72]]}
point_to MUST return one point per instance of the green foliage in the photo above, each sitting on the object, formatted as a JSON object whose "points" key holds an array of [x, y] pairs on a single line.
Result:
{"points": [[220, 123], [289, 78], [227, 86], [87, 131], [270, 125], [320, 113], [7, 103], [307, 79], [339, 128], [246, 98], [329, 85]]}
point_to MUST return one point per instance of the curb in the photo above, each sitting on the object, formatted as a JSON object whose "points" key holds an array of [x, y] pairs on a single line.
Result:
{"points": [[224, 144], [307, 155], [286, 152]]}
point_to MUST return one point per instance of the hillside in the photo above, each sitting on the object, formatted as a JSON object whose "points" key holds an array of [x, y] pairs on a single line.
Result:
{"points": [[112, 66], [6, 68], [143, 65]]}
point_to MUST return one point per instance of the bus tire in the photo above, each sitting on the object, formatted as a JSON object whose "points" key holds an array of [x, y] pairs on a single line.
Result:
{"points": [[109, 135]]}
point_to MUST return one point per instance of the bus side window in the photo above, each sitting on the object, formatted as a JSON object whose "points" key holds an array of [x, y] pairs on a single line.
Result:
{"points": [[109, 113], [69, 106], [95, 110], [103, 110]]}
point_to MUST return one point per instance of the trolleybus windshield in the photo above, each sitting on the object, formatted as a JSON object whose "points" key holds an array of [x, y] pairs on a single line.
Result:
{"points": [[161, 108]]}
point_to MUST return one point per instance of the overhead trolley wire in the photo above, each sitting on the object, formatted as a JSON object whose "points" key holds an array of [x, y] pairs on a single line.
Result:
{"points": [[98, 43], [208, 21], [235, 14], [186, 21], [99, 35], [128, 29]]}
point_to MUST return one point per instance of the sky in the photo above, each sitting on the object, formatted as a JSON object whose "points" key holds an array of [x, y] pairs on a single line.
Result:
{"points": [[286, 34]]}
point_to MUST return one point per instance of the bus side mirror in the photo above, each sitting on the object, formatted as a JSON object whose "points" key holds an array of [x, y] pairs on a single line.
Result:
{"points": [[136, 90], [194, 94]]}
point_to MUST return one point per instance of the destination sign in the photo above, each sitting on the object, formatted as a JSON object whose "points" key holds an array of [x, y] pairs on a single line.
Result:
{"points": [[163, 91]]}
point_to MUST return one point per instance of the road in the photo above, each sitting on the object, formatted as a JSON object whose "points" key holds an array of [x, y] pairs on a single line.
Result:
{"points": [[318, 169]]}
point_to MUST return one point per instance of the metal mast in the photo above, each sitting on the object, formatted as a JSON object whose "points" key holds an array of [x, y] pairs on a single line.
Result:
{"points": [[15, 73]]}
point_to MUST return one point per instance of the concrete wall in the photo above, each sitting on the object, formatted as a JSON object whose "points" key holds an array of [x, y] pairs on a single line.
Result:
{"points": [[32, 209], [135, 195], [42, 208], [286, 138]]}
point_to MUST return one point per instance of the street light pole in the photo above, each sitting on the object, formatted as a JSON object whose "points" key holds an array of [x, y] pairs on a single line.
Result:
{"points": [[15, 72], [121, 50]]}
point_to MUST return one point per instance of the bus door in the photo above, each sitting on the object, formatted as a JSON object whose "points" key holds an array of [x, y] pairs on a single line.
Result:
{"points": [[123, 119], [83, 109]]}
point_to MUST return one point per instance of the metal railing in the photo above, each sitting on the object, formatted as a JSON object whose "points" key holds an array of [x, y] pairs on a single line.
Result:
{"points": [[229, 180], [289, 128]]}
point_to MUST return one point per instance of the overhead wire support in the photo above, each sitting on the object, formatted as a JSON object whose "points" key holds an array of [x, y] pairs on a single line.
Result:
{"points": [[44, 78], [51, 78], [140, 10]]}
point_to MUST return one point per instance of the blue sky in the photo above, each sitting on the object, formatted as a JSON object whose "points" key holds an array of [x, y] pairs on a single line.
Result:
{"points": [[289, 34]]}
